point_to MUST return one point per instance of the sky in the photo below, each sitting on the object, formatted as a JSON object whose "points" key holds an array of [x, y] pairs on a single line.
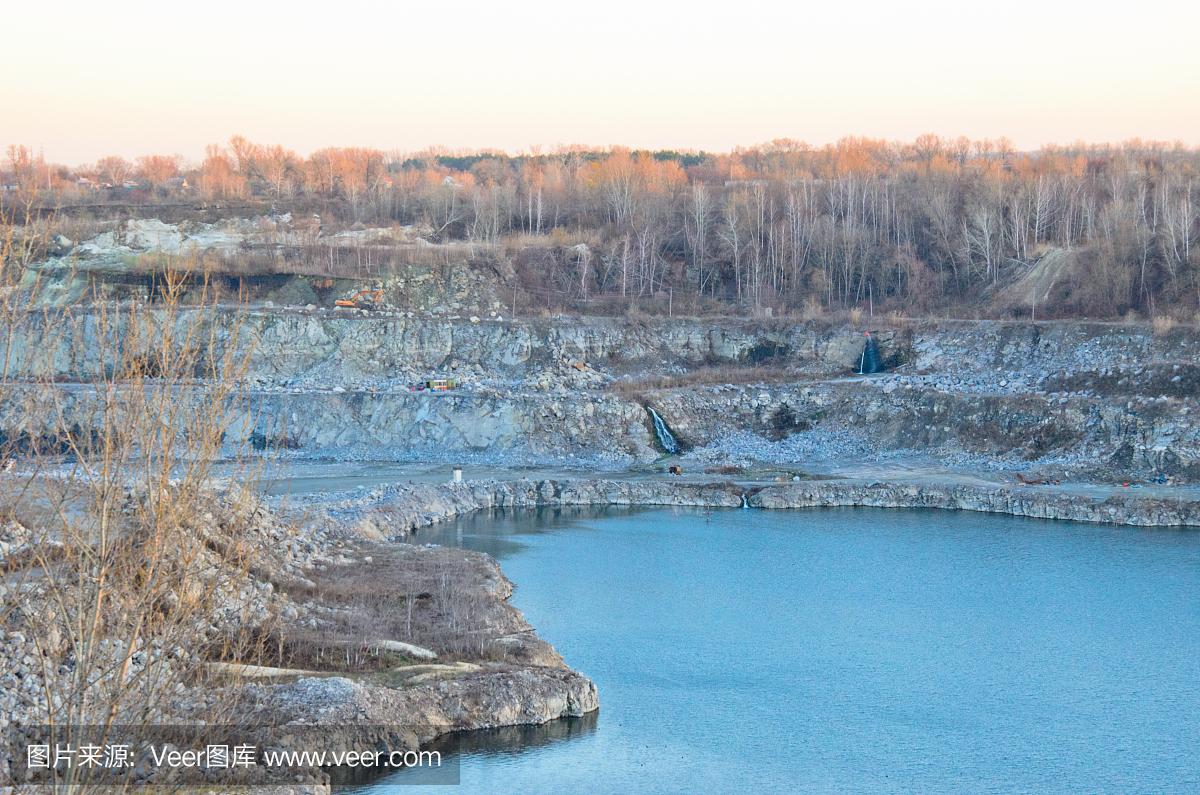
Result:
{"points": [[87, 79]]}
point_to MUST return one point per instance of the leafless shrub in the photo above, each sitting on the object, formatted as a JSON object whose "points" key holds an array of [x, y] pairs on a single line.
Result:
{"points": [[1163, 325], [435, 599], [812, 310], [126, 559]]}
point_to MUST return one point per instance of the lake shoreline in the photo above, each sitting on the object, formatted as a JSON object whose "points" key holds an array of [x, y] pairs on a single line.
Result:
{"points": [[398, 511]]}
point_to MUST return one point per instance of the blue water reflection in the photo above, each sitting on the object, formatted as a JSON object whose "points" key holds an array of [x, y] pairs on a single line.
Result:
{"points": [[851, 651]]}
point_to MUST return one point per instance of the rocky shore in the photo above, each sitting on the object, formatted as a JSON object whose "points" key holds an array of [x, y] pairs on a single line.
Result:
{"points": [[339, 708], [398, 511], [298, 629], [1040, 502]]}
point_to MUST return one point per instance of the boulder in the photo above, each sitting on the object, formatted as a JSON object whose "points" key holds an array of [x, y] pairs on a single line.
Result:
{"points": [[60, 246], [407, 649]]}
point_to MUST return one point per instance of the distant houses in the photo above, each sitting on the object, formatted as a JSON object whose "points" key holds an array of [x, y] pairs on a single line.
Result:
{"points": [[172, 184]]}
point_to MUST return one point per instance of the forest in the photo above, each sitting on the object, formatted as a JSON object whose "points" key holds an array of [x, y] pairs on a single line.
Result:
{"points": [[935, 226]]}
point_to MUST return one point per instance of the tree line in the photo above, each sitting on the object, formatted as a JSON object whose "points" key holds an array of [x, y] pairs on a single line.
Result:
{"points": [[915, 226]]}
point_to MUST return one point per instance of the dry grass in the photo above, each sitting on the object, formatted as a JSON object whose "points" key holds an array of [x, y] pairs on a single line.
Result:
{"points": [[725, 470], [1163, 325], [434, 599]]}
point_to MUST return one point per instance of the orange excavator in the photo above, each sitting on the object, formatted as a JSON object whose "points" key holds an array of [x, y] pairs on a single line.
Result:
{"points": [[363, 299]]}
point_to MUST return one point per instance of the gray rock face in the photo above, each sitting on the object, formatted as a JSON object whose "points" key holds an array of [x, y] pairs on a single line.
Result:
{"points": [[486, 699], [60, 246], [427, 425], [338, 387], [387, 345], [281, 344], [1158, 435], [1034, 502], [394, 511]]}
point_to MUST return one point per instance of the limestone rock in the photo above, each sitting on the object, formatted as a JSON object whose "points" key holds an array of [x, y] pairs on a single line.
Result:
{"points": [[407, 649]]}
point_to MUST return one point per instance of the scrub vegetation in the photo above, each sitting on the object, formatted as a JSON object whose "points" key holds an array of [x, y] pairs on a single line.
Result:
{"points": [[949, 227]]}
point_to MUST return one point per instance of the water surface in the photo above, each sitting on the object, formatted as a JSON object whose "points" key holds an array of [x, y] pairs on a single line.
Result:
{"points": [[851, 651]]}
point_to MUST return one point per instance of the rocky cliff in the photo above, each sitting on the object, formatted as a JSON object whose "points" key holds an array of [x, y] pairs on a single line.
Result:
{"points": [[1084, 397]]}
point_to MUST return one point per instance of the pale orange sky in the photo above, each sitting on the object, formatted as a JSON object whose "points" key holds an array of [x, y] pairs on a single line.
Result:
{"points": [[84, 80]]}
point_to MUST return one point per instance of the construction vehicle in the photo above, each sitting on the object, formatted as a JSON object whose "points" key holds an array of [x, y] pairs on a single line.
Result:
{"points": [[435, 385], [363, 299]]}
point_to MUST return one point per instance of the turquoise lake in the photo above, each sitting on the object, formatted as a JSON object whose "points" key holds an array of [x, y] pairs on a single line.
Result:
{"points": [[849, 651]]}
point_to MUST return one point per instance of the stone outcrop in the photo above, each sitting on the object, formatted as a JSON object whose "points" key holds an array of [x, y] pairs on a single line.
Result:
{"points": [[493, 696], [1034, 501], [330, 385], [398, 510], [425, 425], [896, 413], [395, 511], [382, 345], [376, 346]]}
